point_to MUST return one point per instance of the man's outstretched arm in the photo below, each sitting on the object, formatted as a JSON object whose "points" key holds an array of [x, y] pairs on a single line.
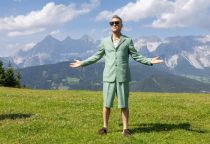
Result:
{"points": [[89, 60], [139, 58]]}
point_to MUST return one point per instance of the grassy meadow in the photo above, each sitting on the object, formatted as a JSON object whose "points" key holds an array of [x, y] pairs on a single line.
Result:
{"points": [[67, 116]]}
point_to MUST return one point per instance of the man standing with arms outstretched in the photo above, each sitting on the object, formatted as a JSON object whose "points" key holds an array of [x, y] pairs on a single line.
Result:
{"points": [[116, 76]]}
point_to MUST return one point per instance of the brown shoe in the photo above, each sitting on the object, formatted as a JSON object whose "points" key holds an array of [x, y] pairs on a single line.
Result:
{"points": [[126, 133], [102, 131]]}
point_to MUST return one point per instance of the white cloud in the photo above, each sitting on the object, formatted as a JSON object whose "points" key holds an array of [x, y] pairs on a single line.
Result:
{"points": [[50, 15], [139, 10], [27, 32], [10, 46], [28, 46], [186, 13], [91, 5], [19, 46], [55, 32], [10, 49], [166, 13]]}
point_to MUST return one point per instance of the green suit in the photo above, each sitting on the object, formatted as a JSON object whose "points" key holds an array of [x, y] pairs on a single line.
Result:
{"points": [[116, 59]]}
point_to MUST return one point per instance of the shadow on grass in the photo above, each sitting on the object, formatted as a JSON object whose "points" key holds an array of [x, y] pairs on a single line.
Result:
{"points": [[158, 127], [14, 116]]}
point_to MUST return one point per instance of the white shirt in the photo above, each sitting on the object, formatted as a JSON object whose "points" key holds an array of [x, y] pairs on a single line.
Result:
{"points": [[116, 42]]}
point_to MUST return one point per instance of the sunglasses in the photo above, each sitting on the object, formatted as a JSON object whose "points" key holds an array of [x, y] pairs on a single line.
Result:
{"points": [[114, 22]]}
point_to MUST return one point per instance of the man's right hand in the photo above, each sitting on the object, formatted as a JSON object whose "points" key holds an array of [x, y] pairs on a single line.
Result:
{"points": [[75, 64]]}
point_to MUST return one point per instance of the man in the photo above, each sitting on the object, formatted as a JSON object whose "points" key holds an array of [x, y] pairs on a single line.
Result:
{"points": [[116, 50]]}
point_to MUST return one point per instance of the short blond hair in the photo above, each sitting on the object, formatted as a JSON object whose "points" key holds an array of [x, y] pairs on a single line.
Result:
{"points": [[116, 16]]}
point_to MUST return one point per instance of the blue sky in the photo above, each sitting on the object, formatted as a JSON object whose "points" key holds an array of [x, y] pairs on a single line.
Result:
{"points": [[23, 23]]}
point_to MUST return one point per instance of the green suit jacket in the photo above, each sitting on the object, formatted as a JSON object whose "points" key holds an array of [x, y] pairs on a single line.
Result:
{"points": [[116, 59]]}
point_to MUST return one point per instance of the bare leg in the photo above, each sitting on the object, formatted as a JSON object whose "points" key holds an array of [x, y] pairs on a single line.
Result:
{"points": [[125, 116], [106, 113]]}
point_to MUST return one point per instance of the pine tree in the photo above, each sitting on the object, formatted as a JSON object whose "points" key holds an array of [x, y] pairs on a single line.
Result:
{"points": [[18, 77], [2, 74], [10, 80]]}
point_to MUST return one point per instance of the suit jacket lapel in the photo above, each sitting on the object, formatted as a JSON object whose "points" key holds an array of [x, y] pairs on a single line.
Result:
{"points": [[111, 42], [122, 39]]}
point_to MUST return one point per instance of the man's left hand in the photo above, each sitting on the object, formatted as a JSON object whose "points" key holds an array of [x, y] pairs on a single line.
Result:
{"points": [[156, 60]]}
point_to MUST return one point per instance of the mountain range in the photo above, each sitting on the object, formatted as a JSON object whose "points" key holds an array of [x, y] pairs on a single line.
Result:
{"points": [[194, 49], [51, 50], [185, 56]]}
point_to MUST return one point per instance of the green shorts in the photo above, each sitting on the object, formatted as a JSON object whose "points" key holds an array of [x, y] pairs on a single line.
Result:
{"points": [[120, 89]]}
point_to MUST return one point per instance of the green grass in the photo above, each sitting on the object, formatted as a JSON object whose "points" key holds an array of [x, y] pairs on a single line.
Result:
{"points": [[64, 116]]}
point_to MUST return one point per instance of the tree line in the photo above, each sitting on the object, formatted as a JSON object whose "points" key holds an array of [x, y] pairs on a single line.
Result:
{"points": [[8, 77]]}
